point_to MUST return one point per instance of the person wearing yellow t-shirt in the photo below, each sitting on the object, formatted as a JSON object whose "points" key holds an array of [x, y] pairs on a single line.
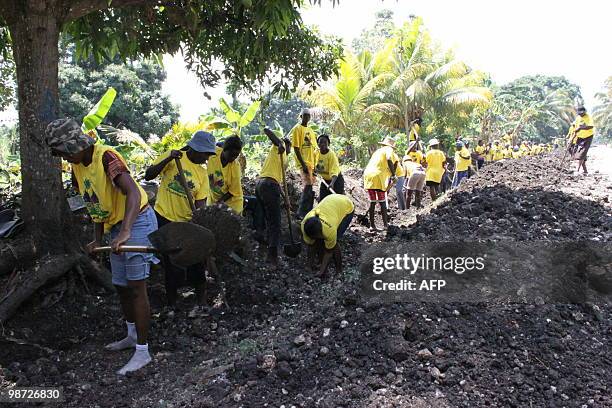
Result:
{"points": [[463, 160], [507, 151], [328, 167], [323, 227], [378, 177], [118, 205], [303, 140], [172, 205], [435, 160], [416, 156], [507, 138], [584, 130], [415, 130], [516, 153], [481, 151], [224, 175], [415, 176], [269, 193]]}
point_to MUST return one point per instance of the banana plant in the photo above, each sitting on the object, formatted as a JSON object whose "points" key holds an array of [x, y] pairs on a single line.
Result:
{"points": [[96, 115], [234, 121]]}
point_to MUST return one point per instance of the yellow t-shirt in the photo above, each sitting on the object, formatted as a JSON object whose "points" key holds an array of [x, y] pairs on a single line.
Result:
{"points": [[417, 156], [507, 153], [331, 211], [104, 201], [480, 149], [327, 165], [172, 202], [305, 140], [272, 166], [225, 180], [584, 120], [516, 155], [435, 165], [414, 131], [376, 174], [497, 153], [460, 159]]}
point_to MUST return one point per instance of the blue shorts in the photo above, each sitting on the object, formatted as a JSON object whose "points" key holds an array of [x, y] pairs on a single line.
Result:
{"points": [[134, 266]]}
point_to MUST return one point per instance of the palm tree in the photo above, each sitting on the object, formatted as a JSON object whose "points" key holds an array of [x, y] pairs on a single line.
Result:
{"points": [[347, 97], [422, 79], [602, 114]]}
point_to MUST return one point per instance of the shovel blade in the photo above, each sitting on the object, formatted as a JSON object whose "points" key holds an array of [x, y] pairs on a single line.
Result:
{"points": [[292, 250], [184, 243]]}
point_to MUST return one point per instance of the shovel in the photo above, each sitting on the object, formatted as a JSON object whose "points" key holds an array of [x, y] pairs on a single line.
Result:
{"points": [[294, 248], [184, 243], [327, 185], [183, 182]]}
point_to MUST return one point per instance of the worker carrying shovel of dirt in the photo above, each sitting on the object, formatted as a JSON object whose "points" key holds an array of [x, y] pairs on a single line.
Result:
{"points": [[323, 227], [303, 140], [269, 195], [328, 167], [117, 204], [378, 177], [173, 204]]}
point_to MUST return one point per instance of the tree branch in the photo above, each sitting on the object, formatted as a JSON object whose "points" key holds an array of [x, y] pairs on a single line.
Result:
{"points": [[83, 7]]}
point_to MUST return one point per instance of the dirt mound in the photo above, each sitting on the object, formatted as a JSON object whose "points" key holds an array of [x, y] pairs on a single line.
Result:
{"points": [[517, 200], [224, 224]]}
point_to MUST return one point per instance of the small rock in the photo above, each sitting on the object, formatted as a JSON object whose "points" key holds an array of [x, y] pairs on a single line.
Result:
{"points": [[438, 351], [424, 354], [343, 324], [435, 373], [326, 332], [456, 312], [324, 350], [299, 340]]}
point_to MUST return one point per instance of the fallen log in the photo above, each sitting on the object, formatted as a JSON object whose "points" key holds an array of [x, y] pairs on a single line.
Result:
{"points": [[46, 269]]}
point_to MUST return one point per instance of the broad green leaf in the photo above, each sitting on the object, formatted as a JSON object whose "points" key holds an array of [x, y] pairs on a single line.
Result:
{"points": [[218, 123], [97, 114], [249, 115], [230, 113]]}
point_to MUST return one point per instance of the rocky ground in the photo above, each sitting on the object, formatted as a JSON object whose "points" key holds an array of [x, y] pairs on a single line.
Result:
{"points": [[293, 340]]}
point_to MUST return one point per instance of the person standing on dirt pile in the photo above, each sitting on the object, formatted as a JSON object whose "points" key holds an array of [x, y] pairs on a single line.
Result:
{"points": [[117, 204], [269, 195], [584, 130], [224, 175], [436, 160], [323, 226], [481, 150], [497, 152], [378, 176], [303, 142], [516, 153], [415, 174], [507, 151], [328, 167], [463, 160], [171, 204]]}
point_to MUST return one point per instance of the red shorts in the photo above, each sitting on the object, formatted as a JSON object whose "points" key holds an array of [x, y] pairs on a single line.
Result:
{"points": [[377, 195]]}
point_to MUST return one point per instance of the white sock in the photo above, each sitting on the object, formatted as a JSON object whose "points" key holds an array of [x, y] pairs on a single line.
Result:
{"points": [[128, 342], [140, 359]]}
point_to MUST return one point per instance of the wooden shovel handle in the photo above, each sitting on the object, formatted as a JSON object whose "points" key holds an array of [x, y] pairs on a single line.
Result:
{"points": [[126, 248], [183, 182]]}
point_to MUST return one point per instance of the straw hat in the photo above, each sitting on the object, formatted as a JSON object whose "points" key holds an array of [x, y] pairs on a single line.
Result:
{"points": [[433, 142], [388, 141]]}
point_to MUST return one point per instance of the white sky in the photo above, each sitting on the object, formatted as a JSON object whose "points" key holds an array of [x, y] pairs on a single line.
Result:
{"points": [[509, 39]]}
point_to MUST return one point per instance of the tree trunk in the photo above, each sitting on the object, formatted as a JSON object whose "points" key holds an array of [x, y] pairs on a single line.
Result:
{"points": [[35, 34]]}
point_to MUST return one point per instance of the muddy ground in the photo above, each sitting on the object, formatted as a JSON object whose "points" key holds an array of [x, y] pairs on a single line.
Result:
{"points": [[293, 340]]}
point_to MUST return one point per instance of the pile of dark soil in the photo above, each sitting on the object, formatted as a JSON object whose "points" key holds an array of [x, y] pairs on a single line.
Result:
{"points": [[224, 224], [519, 200], [290, 339]]}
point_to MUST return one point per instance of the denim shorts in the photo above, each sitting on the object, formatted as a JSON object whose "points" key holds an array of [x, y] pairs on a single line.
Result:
{"points": [[134, 266]]}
